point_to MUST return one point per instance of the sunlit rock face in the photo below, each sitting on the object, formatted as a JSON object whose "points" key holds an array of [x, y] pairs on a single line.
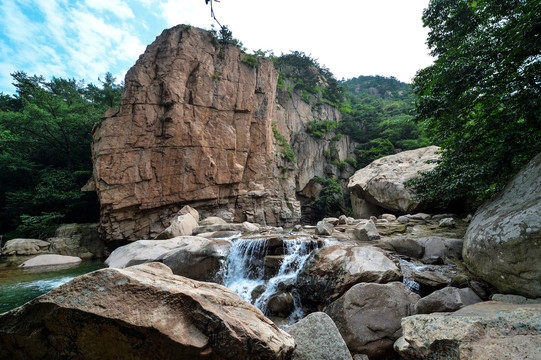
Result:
{"points": [[141, 312], [381, 183], [196, 127]]}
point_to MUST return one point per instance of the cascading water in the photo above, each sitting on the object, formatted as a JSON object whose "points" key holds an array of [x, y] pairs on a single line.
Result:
{"points": [[249, 270]]}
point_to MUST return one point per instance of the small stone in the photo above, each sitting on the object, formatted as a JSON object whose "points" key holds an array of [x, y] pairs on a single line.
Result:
{"points": [[447, 223], [403, 219]]}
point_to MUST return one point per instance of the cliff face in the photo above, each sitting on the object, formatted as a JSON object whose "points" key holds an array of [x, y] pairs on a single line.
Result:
{"points": [[196, 127]]}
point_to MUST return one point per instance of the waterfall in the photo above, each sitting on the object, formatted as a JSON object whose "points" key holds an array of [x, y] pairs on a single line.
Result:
{"points": [[258, 269]]}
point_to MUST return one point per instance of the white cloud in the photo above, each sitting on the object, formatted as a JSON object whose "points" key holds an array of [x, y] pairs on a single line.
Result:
{"points": [[181, 12], [117, 7]]}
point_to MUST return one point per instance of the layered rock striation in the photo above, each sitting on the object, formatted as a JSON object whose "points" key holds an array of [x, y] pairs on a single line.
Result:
{"points": [[196, 127]]}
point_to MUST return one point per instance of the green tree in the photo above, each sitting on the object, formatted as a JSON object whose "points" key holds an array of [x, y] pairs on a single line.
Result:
{"points": [[45, 136], [480, 99]]}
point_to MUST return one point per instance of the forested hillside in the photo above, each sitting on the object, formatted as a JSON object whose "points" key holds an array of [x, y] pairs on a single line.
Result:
{"points": [[380, 117], [45, 136]]}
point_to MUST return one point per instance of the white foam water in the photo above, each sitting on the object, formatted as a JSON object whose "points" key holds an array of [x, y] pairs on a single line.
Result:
{"points": [[244, 272]]}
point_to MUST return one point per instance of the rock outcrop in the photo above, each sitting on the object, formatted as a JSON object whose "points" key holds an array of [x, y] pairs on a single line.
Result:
{"points": [[502, 243], [197, 126], [382, 182], [142, 312], [489, 330], [77, 240]]}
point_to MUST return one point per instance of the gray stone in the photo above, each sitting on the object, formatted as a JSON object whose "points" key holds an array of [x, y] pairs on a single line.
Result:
{"points": [[483, 331], [195, 257], [80, 240], [366, 231], [514, 299], [407, 247], [447, 223], [501, 245], [330, 271], [403, 219], [446, 299], [25, 247], [324, 228], [318, 338], [382, 182], [50, 260], [368, 316]]}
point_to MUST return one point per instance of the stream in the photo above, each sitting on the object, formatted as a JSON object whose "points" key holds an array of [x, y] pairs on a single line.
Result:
{"points": [[18, 286]]}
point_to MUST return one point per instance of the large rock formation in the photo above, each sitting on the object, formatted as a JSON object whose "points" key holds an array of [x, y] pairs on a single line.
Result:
{"points": [[489, 330], [382, 182], [143, 312], [196, 127], [502, 243], [368, 316], [332, 270]]}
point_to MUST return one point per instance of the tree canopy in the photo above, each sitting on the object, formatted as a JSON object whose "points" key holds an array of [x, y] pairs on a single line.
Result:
{"points": [[45, 135], [480, 100]]}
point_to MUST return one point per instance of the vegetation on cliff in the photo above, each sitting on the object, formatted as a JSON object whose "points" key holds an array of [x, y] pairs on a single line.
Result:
{"points": [[480, 99], [45, 135]]}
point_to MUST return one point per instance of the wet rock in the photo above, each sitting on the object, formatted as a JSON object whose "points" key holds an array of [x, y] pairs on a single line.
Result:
{"points": [[342, 220], [329, 343], [51, 260], [501, 244], [281, 304], [488, 330], [332, 220], [368, 316], [446, 300], [332, 270], [142, 312]]}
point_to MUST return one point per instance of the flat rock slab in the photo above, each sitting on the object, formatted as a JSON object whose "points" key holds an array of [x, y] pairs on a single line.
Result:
{"points": [[142, 312], [50, 260]]}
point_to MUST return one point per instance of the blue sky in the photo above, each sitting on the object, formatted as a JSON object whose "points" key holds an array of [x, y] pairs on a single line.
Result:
{"points": [[84, 39]]}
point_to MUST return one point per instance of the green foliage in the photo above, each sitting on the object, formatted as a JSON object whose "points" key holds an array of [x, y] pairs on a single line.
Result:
{"points": [[331, 198], [39, 226], [285, 148], [309, 78], [250, 60], [45, 135], [379, 117], [480, 99], [319, 129]]}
